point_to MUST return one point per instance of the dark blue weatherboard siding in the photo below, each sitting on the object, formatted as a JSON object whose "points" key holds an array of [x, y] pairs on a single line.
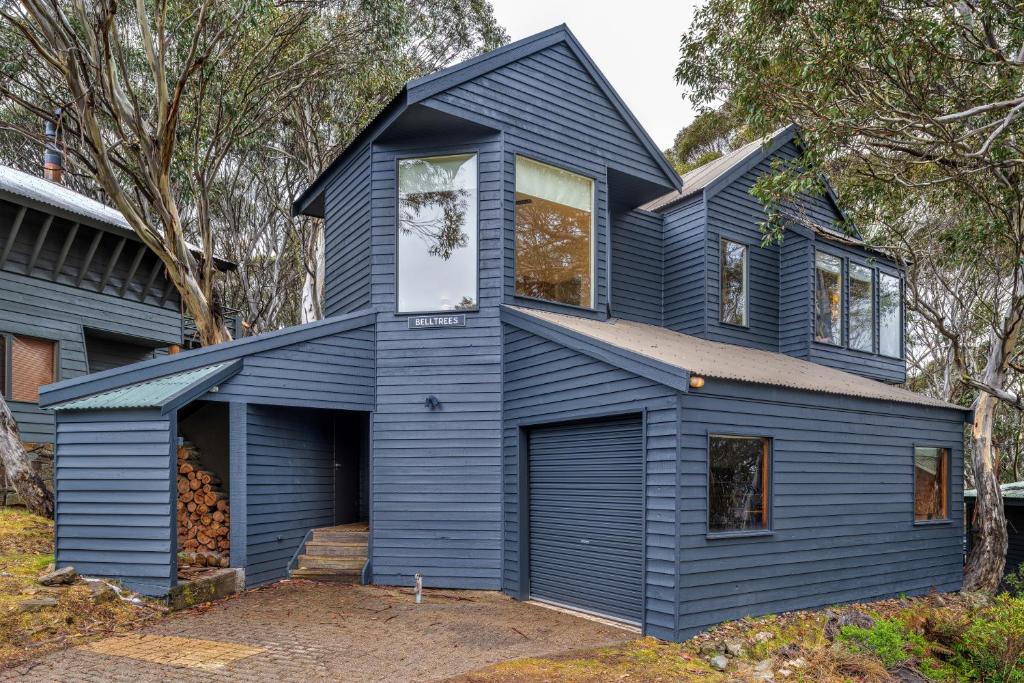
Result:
{"points": [[842, 504], [35, 302], [637, 268], [347, 236], [114, 482], [289, 486], [685, 264], [237, 349], [436, 486], [550, 109], [334, 371], [546, 382]]}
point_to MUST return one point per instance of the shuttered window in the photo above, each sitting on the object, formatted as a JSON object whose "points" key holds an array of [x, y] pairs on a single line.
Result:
{"points": [[32, 363]]}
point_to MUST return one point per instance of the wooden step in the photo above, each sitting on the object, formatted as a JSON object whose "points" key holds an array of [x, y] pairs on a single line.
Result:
{"points": [[336, 549], [332, 536], [331, 563], [328, 576]]}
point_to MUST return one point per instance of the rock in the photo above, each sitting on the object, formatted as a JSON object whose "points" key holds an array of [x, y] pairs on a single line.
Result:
{"points": [[101, 592], [720, 662], [763, 665], [763, 636], [37, 604], [734, 648], [711, 647], [836, 622], [784, 672], [61, 577], [797, 663]]}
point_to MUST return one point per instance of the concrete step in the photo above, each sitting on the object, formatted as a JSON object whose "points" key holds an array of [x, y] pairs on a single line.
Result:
{"points": [[332, 536], [331, 563], [336, 549], [328, 576]]}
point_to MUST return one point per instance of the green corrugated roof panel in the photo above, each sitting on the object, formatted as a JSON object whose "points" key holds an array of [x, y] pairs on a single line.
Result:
{"points": [[154, 393], [1011, 491]]}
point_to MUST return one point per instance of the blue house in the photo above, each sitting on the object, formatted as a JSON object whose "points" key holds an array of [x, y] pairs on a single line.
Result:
{"points": [[550, 367]]}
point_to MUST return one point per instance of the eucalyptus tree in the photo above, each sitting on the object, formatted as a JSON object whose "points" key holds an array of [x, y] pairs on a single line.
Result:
{"points": [[918, 103]]}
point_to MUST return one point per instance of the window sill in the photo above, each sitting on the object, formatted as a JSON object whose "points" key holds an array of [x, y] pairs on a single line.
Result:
{"points": [[722, 535], [735, 326], [932, 522]]}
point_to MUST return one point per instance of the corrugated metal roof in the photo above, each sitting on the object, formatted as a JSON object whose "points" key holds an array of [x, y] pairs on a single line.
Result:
{"points": [[59, 196], [154, 393], [65, 199], [698, 178], [728, 361], [1011, 491]]}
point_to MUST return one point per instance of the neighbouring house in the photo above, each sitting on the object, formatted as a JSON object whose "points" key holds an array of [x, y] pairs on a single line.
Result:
{"points": [[1013, 506], [549, 367], [79, 293]]}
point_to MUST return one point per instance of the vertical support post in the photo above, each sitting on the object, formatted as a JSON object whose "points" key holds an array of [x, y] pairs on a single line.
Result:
{"points": [[237, 454]]}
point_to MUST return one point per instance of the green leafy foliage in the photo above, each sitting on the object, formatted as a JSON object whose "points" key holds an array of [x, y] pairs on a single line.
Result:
{"points": [[889, 639], [992, 646]]}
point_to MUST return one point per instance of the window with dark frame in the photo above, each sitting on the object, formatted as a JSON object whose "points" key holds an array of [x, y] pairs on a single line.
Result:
{"points": [[828, 298], [32, 363], [554, 229], [437, 234], [737, 483], [862, 308], [733, 284], [931, 484], [890, 316]]}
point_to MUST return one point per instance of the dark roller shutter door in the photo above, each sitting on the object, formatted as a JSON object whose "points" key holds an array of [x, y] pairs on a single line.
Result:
{"points": [[586, 516]]}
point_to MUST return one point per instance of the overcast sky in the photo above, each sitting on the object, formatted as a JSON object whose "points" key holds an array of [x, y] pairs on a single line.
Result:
{"points": [[635, 44]]}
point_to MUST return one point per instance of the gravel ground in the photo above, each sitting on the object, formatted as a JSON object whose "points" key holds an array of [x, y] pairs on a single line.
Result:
{"points": [[303, 631]]}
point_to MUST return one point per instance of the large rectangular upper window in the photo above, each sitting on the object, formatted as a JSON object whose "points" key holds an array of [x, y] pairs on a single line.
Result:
{"points": [[737, 483], [862, 308], [32, 363], [931, 484], [890, 315], [554, 234], [733, 284], [437, 234], [828, 298]]}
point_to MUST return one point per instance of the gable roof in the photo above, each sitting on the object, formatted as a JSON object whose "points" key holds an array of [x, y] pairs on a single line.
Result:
{"points": [[116, 378], [166, 393], [708, 175], [692, 355], [46, 195], [422, 88]]}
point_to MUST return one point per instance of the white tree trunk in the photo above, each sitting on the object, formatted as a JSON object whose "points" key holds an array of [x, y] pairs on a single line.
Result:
{"points": [[313, 287]]}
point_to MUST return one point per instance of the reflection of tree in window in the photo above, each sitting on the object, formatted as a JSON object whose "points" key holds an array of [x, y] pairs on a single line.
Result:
{"points": [[437, 234], [737, 496], [435, 216], [862, 320], [734, 283], [889, 315], [828, 298], [552, 251]]}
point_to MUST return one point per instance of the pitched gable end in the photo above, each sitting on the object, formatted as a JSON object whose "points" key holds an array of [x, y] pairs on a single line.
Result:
{"points": [[547, 85]]}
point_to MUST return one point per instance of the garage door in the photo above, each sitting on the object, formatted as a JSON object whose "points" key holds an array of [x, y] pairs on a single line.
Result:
{"points": [[586, 516]]}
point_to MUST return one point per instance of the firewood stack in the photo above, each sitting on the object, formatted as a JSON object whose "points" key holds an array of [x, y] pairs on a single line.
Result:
{"points": [[203, 514]]}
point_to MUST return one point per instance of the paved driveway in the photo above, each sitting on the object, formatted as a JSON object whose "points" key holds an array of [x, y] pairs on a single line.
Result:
{"points": [[301, 631]]}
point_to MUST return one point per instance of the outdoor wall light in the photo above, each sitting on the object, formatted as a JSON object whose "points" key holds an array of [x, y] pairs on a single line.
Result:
{"points": [[696, 381]]}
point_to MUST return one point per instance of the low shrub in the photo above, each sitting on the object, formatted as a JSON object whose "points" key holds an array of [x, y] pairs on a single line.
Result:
{"points": [[991, 648], [888, 639]]}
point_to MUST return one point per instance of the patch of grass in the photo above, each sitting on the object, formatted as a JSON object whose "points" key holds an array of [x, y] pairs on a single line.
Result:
{"points": [[26, 549], [889, 639]]}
